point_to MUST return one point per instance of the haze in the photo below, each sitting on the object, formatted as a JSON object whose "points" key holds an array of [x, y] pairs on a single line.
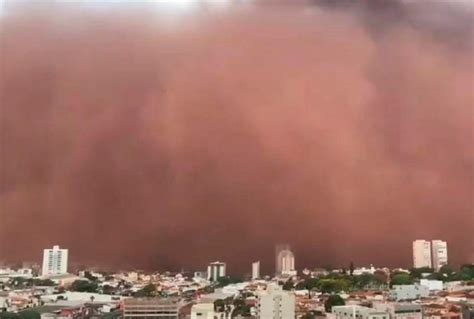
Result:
{"points": [[143, 136]]}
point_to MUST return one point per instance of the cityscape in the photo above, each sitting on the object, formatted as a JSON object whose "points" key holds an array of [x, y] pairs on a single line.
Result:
{"points": [[236, 159], [431, 288]]}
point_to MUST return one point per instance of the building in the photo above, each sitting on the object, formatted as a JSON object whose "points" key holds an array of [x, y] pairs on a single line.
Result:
{"points": [[55, 261], [409, 292], [421, 253], [150, 308], [202, 311], [215, 270], [285, 260], [358, 312], [433, 285], [275, 303], [439, 253], [256, 270], [400, 310]]}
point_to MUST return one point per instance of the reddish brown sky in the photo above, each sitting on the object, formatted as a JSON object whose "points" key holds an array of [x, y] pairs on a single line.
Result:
{"points": [[160, 138]]}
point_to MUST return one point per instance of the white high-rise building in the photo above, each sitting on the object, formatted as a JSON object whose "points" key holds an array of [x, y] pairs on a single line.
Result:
{"points": [[215, 270], [55, 261], [439, 252], [285, 260], [256, 270], [275, 303], [421, 253]]}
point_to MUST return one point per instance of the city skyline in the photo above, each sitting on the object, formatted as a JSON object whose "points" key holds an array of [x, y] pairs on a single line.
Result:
{"points": [[422, 250]]}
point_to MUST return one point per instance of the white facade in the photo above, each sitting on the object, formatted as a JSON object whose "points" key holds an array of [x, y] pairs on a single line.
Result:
{"points": [[275, 303], [433, 285], [400, 310], [256, 270], [421, 253], [285, 260], [202, 311], [55, 261], [409, 292], [215, 270], [359, 312], [439, 252]]}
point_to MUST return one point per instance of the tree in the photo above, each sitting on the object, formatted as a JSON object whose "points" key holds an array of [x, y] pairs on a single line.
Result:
{"points": [[29, 314], [227, 280], [381, 276], [333, 300], [219, 305], [147, 291], [84, 286], [89, 276], [311, 283], [467, 271], [43, 282], [108, 290], [8, 315], [300, 285], [446, 269], [416, 273], [365, 280], [334, 285], [351, 268], [309, 315], [437, 276], [401, 279], [240, 308], [288, 285]]}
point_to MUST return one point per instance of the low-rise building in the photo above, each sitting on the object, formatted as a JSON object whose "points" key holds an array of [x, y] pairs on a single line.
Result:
{"points": [[409, 292], [400, 310], [358, 312], [150, 308], [202, 311], [433, 285]]}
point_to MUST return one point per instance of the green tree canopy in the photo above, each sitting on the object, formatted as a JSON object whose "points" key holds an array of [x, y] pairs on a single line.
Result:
{"points": [[219, 305], [311, 283], [147, 291], [43, 282], [227, 280], [29, 314], [401, 279], [84, 286], [333, 300], [365, 280], [417, 272], [446, 269], [334, 285], [288, 285]]}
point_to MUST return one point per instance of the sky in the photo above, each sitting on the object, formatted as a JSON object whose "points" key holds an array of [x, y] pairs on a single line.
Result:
{"points": [[167, 136]]}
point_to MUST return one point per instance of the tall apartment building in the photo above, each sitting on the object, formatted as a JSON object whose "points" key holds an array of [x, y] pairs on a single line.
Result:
{"points": [[256, 270], [275, 303], [55, 261], [432, 254], [421, 253], [215, 270], [284, 260], [439, 253]]}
